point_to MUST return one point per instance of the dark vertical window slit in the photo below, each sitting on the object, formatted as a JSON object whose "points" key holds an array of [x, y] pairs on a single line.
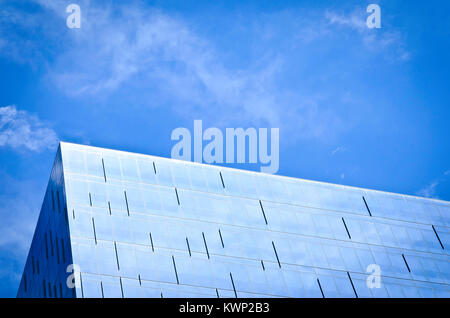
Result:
{"points": [[151, 241], [117, 256], [73, 214], [206, 245], [320, 286], [348, 233], [49, 290], [154, 167], [121, 286], [101, 287], [262, 209], [221, 179], [104, 172], [95, 233], [221, 239], [109, 207], [175, 268], [353, 286], [60, 291], [276, 254], [367, 206], [262, 264], [178, 199], [90, 199], [44, 288], [126, 201], [232, 283], [81, 283], [139, 277], [54, 291], [437, 236], [406, 263], [189, 248], [217, 293]]}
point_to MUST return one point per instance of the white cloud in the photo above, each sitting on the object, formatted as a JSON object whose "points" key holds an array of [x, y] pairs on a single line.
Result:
{"points": [[383, 40], [431, 190], [20, 130], [150, 55], [338, 149]]}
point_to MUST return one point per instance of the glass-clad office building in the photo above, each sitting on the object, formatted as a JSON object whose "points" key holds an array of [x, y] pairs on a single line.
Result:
{"points": [[118, 224]]}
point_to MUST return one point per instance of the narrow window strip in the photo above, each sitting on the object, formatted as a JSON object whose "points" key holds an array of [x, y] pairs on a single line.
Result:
{"points": [[221, 239], [348, 233], [206, 245], [121, 287], [217, 293], [262, 264], [276, 254], [104, 172], [189, 248], [126, 202], [90, 199], [353, 286], [367, 206], [81, 285], [95, 234], [151, 242], [437, 236], [101, 287], [262, 209], [232, 283], [406, 263], [109, 207], [117, 256], [178, 199], [154, 167], [221, 179], [175, 268], [320, 287]]}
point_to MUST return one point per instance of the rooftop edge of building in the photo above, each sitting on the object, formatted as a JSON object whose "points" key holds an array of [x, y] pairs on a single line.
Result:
{"points": [[62, 143]]}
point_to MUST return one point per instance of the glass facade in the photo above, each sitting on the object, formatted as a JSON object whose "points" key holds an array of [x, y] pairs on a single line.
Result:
{"points": [[143, 226]]}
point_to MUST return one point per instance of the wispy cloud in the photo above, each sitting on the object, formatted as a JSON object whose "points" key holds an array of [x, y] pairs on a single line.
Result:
{"points": [[160, 58], [21, 130], [383, 40], [431, 190], [337, 150]]}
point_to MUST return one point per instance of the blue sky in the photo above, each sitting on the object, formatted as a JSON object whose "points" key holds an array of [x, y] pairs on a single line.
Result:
{"points": [[355, 106]]}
